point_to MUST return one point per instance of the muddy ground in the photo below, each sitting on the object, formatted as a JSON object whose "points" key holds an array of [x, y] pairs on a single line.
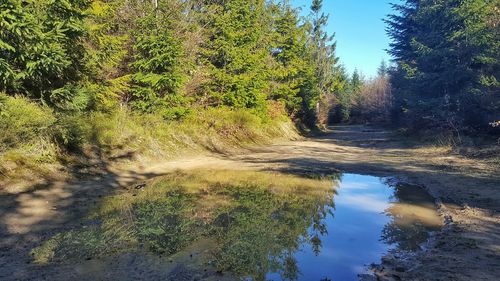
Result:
{"points": [[466, 190]]}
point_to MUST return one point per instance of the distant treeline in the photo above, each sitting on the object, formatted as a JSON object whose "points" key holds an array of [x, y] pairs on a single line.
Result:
{"points": [[444, 75]]}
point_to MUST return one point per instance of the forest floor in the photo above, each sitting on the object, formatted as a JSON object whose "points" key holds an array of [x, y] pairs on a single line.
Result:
{"points": [[467, 192]]}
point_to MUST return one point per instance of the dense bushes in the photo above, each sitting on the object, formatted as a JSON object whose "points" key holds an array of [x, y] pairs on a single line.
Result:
{"points": [[23, 122], [26, 131]]}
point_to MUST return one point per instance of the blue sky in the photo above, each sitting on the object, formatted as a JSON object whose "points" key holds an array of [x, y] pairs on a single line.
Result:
{"points": [[359, 31]]}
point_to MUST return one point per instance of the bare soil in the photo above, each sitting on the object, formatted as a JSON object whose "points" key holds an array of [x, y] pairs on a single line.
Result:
{"points": [[467, 192]]}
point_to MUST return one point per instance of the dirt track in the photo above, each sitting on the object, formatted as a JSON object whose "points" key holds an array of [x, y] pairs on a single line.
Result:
{"points": [[467, 249]]}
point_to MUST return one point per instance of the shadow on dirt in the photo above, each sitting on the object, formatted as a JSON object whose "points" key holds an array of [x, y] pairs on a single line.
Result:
{"points": [[29, 217]]}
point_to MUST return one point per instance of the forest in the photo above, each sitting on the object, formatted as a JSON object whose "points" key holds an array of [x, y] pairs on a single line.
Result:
{"points": [[84, 73], [65, 66], [104, 102]]}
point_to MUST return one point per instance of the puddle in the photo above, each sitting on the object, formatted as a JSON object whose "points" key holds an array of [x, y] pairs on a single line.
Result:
{"points": [[243, 225], [370, 218]]}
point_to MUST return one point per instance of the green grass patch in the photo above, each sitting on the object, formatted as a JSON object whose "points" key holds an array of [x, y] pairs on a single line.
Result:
{"points": [[35, 139]]}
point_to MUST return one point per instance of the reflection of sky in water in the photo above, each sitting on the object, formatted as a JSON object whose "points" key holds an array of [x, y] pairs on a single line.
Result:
{"points": [[353, 239]]}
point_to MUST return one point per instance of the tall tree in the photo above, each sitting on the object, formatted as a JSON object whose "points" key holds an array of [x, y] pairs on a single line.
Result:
{"points": [[293, 67], [237, 53], [447, 61], [158, 73], [324, 59], [323, 48], [40, 46]]}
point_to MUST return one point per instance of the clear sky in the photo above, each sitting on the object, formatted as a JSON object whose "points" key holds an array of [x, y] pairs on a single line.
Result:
{"points": [[359, 31]]}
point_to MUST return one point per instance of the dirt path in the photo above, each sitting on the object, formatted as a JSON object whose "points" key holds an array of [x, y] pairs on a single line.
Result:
{"points": [[467, 249]]}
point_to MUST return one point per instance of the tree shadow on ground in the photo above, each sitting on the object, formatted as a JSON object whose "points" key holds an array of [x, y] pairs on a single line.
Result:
{"points": [[27, 218]]}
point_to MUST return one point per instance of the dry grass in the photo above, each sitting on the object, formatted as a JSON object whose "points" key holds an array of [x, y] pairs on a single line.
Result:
{"points": [[101, 138]]}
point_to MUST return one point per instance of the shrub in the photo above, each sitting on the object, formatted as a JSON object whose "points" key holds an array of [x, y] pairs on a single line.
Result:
{"points": [[23, 122]]}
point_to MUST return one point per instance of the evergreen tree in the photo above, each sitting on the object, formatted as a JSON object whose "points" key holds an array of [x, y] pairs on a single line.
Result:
{"points": [[323, 48], [382, 70], [318, 96], [290, 51], [40, 46], [164, 57], [356, 81], [237, 53], [157, 68], [447, 62]]}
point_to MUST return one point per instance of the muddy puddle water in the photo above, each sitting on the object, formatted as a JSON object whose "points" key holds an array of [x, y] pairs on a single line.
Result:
{"points": [[247, 225], [370, 218]]}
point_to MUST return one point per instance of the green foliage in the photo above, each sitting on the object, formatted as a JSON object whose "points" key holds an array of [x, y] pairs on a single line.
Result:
{"points": [[158, 75], [23, 122], [97, 55], [447, 55], [40, 45], [326, 70], [72, 132], [106, 41], [237, 53], [291, 54], [348, 97]]}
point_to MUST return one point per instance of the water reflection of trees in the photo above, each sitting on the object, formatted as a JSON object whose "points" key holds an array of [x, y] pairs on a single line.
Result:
{"points": [[262, 231], [259, 221], [413, 217]]}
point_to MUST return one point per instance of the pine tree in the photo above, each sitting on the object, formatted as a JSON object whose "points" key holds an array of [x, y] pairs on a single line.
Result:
{"points": [[292, 56], [382, 70], [319, 95], [157, 68], [447, 62], [40, 47], [237, 53], [323, 48]]}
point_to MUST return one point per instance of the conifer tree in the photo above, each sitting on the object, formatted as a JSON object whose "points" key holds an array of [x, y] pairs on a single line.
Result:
{"points": [[382, 69], [158, 74], [40, 46], [237, 53], [447, 56], [294, 61]]}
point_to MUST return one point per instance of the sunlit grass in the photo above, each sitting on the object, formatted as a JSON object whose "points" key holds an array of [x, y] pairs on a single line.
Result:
{"points": [[37, 141]]}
